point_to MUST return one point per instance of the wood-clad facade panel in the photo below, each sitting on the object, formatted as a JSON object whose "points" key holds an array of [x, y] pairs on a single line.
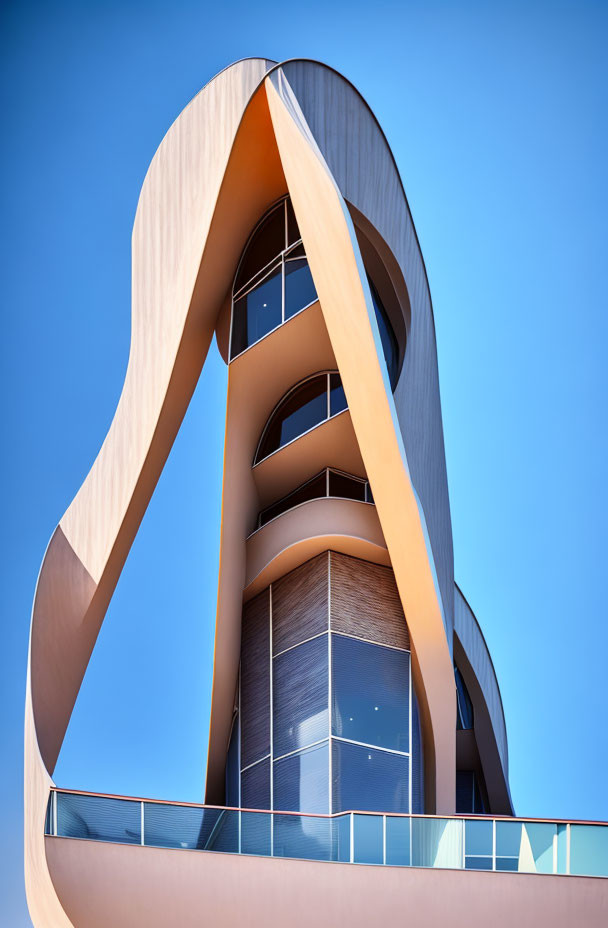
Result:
{"points": [[255, 679], [365, 602], [299, 604]]}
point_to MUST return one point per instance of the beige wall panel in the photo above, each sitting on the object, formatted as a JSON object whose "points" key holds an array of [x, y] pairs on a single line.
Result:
{"points": [[156, 888], [365, 602], [333, 255]]}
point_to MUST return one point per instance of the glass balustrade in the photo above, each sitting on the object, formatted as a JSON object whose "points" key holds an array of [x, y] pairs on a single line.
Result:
{"points": [[461, 843]]}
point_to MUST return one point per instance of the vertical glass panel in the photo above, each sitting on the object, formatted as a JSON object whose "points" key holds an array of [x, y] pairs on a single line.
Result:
{"points": [[417, 759], [589, 850], [225, 835], [233, 767], [299, 287], [255, 786], [178, 826], [370, 693], [342, 485], [562, 850], [368, 839], [387, 337], [507, 863], [337, 396], [437, 842], [300, 696], [265, 244], [48, 818], [98, 818], [508, 839], [464, 718], [478, 838], [301, 781], [255, 680], [398, 841], [257, 313], [301, 410], [255, 833], [302, 836], [341, 837], [369, 779], [536, 853]]}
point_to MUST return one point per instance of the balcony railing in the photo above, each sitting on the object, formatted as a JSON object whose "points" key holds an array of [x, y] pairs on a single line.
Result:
{"points": [[463, 843]]}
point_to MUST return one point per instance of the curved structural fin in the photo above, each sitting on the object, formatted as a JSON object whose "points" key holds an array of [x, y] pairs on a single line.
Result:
{"points": [[181, 271], [333, 254]]}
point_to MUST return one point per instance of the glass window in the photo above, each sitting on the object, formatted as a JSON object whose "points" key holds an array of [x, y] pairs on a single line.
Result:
{"points": [[368, 779], [468, 793], [589, 850], [464, 715], [232, 767], [255, 786], [478, 838], [257, 313], [98, 818], [337, 397], [293, 232], [314, 489], [300, 696], [398, 841], [342, 485], [267, 242], [370, 693], [387, 336], [299, 287], [303, 836], [301, 781], [368, 839], [303, 408]]}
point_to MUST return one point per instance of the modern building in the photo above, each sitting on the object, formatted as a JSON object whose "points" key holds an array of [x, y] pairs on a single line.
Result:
{"points": [[358, 763]]}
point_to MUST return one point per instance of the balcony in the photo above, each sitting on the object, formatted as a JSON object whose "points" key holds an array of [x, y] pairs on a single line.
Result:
{"points": [[456, 843]]}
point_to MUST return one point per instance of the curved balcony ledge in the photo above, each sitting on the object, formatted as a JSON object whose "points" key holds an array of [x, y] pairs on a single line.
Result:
{"points": [[345, 525], [474, 661], [331, 443]]}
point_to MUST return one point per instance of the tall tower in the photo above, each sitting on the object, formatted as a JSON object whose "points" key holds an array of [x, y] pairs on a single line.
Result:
{"points": [[356, 716]]}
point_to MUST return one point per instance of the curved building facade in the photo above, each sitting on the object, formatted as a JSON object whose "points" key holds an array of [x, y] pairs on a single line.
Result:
{"points": [[356, 716]]}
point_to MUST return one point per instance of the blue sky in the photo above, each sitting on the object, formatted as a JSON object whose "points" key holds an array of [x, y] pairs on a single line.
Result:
{"points": [[496, 116]]}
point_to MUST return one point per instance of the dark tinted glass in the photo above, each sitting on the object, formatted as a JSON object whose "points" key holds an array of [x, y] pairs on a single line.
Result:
{"points": [[299, 287], [344, 486], [305, 407], [464, 716], [417, 760], [266, 244], [257, 313], [255, 786], [370, 693], [300, 696], [255, 833], [178, 826], [337, 397], [232, 768], [478, 863], [314, 489], [368, 779], [293, 233], [301, 781], [255, 680], [387, 337]]}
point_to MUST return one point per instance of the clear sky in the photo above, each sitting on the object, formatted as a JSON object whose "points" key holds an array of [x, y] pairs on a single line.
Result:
{"points": [[496, 114]]}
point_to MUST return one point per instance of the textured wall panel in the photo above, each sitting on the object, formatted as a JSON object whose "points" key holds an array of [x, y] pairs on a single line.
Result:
{"points": [[299, 604], [255, 679], [365, 602]]}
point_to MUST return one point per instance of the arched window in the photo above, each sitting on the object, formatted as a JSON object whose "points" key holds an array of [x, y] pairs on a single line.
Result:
{"points": [[273, 281], [305, 406]]}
